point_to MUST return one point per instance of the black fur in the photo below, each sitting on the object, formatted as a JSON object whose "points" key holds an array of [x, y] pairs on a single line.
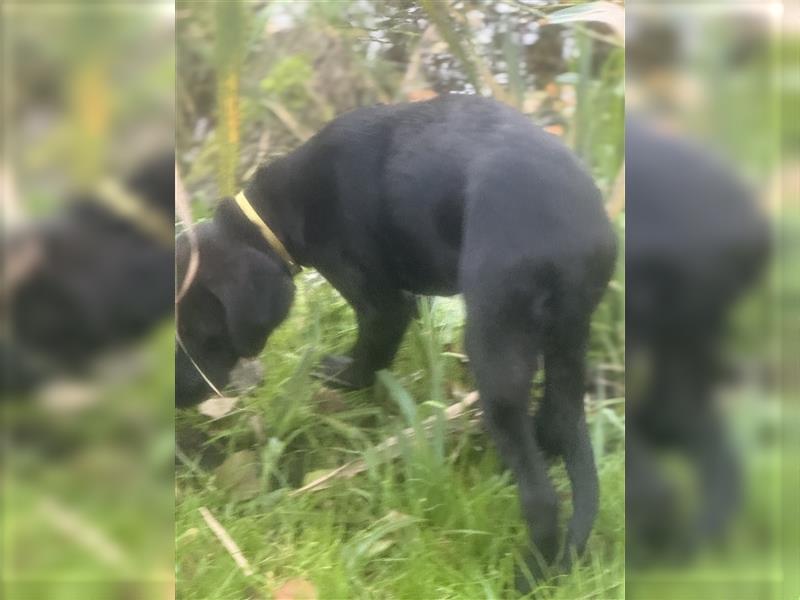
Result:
{"points": [[456, 195], [102, 281]]}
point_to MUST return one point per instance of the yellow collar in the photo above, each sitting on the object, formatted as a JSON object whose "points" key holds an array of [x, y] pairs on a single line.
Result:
{"points": [[266, 232], [127, 205]]}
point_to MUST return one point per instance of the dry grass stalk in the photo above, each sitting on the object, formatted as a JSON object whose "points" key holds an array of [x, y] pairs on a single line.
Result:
{"points": [[185, 215], [388, 449], [616, 201], [299, 131], [227, 541], [82, 532], [414, 80]]}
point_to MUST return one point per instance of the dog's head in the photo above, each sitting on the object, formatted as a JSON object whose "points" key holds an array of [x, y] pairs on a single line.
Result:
{"points": [[238, 296]]}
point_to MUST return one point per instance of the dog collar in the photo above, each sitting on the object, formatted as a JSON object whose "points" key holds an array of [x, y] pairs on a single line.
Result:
{"points": [[266, 232], [127, 205]]}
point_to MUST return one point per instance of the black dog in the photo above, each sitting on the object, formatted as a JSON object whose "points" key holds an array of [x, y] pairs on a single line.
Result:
{"points": [[103, 278], [696, 242], [456, 195]]}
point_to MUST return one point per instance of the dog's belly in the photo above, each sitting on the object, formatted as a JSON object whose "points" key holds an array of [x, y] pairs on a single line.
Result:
{"points": [[433, 282], [424, 264], [423, 238]]}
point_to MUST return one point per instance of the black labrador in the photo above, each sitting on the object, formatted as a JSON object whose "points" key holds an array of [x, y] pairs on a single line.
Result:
{"points": [[104, 277], [456, 195], [696, 243]]}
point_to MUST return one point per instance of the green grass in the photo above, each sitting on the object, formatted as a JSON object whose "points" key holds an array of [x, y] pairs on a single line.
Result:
{"points": [[439, 521], [87, 493]]}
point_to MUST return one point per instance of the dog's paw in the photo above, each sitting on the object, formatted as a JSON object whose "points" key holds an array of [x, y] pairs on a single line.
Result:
{"points": [[531, 574], [536, 571], [526, 580], [342, 372], [524, 583]]}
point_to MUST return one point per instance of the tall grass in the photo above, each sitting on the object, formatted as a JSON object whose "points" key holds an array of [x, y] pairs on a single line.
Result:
{"points": [[231, 26], [439, 521]]}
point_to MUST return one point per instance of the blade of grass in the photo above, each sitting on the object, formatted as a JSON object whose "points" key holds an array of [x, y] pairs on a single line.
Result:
{"points": [[388, 449]]}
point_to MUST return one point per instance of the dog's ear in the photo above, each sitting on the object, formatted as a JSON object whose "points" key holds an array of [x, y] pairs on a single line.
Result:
{"points": [[256, 294]]}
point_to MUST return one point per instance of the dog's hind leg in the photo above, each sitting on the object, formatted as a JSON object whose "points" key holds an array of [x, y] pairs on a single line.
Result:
{"points": [[561, 424], [503, 351]]}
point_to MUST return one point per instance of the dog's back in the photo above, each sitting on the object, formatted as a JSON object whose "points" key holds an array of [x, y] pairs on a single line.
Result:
{"points": [[421, 177]]}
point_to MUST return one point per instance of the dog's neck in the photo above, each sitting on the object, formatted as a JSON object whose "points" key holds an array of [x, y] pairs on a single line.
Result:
{"points": [[278, 201]]}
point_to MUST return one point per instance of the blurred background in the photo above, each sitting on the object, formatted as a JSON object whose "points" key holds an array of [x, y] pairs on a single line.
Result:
{"points": [[92, 108], [87, 173], [256, 79], [712, 192]]}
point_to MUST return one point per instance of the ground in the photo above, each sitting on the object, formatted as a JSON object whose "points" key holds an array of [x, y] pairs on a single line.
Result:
{"points": [[439, 521]]}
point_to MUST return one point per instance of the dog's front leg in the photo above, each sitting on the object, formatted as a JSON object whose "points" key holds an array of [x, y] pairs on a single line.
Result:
{"points": [[383, 314]]}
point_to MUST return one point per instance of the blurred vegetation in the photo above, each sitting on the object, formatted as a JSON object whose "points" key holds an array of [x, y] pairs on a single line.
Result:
{"points": [[702, 81], [87, 482], [442, 520], [86, 506], [88, 103], [297, 64]]}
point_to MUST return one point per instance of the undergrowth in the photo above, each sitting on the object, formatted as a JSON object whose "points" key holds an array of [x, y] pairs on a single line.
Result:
{"points": [[439, 520]]}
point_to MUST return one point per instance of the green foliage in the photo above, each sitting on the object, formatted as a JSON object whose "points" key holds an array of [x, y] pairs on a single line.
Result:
{"points": [[288, 81], [88, 500], [440, 16], [599, 126], [230, 29], [440, 518]]}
